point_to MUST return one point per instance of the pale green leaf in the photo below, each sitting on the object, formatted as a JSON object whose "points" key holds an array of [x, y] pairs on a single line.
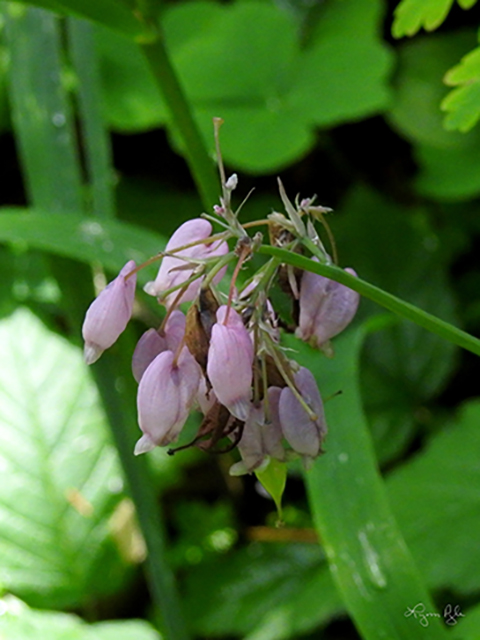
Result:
{"points": [[463, 103], [18, 622], [63, 475], [449, 163], [274, 479], [412, 15]]}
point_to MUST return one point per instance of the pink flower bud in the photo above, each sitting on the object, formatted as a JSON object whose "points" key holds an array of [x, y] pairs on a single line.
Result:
{"points": [[165, 395], [175, 271], [154, 342], [230, 360], [303, 432], [326, 307], [108, 315]]}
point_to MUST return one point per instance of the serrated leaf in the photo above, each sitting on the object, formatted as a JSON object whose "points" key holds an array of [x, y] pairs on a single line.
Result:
{"points": [[63, 475], [449, 163], [110, 13], [18, 621], [463, 103], [109, 242], [411, 15], [435, 501]]}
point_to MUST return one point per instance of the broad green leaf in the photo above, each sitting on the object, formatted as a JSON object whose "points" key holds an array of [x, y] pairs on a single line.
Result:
{"points": [[412, 15], [370, 563], [110, 13], [109, 242], [343, 73], [435, 501], [18, 622], [463, 104], [449, 164], [271, 103], [131, 99], [267, 591], [63, 475], [468, 626]]}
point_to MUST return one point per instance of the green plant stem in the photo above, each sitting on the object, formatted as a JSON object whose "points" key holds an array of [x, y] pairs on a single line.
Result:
{"points": [[200, 163], [381, 297], [96, 140]]}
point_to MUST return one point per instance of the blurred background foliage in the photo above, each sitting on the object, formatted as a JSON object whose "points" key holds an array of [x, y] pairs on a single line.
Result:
{"points": [[320, 92]]}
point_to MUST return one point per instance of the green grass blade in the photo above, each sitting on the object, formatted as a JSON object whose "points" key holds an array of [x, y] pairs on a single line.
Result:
{"points": [[96, 141], [381, 297], [107, 12], [370, 562], [41, 111], [109, 242]]}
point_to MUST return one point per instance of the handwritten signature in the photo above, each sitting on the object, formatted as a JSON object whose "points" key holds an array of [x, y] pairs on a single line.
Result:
{"points": [[450, 614]]}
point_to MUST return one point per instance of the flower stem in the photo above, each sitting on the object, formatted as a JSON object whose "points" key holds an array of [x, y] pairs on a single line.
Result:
{"points": [[381, 297]]}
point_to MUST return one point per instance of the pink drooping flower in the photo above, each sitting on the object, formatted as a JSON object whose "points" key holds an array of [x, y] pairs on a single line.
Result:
{"points": [[326, 307], [261, 437], [108, 315], [175, 270], [154, 342], [302, 431], [230, 360], [166, 393]]}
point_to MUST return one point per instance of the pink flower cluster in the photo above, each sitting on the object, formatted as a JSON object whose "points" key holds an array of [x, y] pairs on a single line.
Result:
{"points": [[223, 357]]}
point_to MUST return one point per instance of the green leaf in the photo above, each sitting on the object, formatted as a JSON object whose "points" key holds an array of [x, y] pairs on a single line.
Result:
{"points": [[223, 54], [108, 242], [131, 99], [110, 13], [42, 111], [370, 562], [412, 15], [273, 480], [463, 104], [448, 160], [435, 502], [64, 478], [18, 621], [467, 627], [267, 591]]}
